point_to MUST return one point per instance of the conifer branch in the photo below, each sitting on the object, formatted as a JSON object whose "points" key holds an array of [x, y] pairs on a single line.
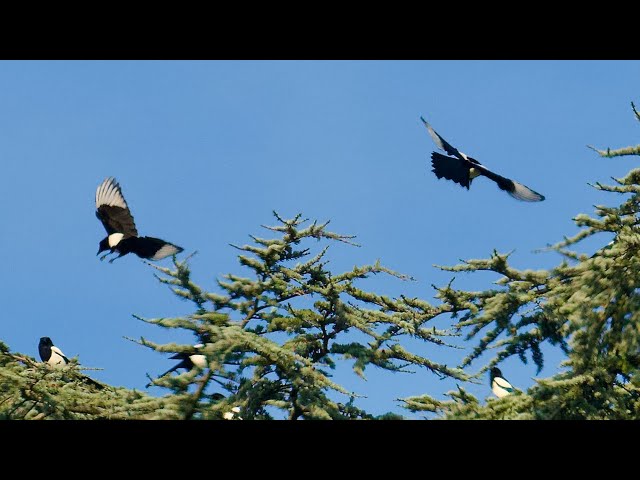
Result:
{"points": [[608, 153]]}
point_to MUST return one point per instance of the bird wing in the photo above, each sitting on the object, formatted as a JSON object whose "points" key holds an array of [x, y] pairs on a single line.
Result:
{"points": [[442, 143], [452, 172], [513, 188], [502, 383], [154, 248], [451, 168], [112, 209], [60, 358]]}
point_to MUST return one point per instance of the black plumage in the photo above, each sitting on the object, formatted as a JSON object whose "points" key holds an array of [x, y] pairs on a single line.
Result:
{"points": [[122, 236], [52, 355], [462, 169], [188, 360], [499, 385]]}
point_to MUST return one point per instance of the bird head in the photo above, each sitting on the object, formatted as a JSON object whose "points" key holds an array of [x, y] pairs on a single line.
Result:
{"points": [[104, 245], [46, 342], [495, 372]]}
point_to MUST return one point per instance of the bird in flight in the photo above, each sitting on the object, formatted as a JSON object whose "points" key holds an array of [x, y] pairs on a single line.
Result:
{"points": [[122, 236], [187, 361], [499, 385], [462, 169], [52, 355]]}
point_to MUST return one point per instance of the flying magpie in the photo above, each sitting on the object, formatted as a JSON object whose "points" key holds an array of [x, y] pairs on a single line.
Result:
{"points": [[462, 169], [187, 361], [122, 236], [499, 385], [52, 355]]}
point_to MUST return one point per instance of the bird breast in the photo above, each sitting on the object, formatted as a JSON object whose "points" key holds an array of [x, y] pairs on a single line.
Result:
{"points": [[473, 173], [114, 239]]}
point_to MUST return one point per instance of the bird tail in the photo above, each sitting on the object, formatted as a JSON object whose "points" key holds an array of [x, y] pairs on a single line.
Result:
{"points": [[91, 381], [451, 168], [172, 369]]}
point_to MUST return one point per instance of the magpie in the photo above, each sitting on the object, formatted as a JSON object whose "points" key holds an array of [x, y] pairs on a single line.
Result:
{"points": [[52, 355], [187, 361], [231, 414], [462, 169], [499, 385], [122, 236]]}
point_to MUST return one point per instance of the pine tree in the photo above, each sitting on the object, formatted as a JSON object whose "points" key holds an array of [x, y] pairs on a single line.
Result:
{"points": [[589, 305]]}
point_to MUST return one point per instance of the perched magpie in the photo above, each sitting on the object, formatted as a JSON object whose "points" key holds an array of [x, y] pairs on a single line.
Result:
{"points": [[499, 385], [122, 237], [462, 169], [187, 361], [51, 354]]}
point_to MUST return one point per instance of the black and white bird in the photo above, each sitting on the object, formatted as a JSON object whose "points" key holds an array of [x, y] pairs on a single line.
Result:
{"points": [[122, 236], [232, 414], [462, 169], [188, 360], [51, 354], [499, 385]]}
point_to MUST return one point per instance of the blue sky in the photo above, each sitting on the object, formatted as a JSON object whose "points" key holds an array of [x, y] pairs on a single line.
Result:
{"points": [[204, 151]]}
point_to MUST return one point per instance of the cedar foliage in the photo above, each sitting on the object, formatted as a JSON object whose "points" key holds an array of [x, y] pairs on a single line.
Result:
{"points": [[273, 337], [31, 390], [587, 305]]}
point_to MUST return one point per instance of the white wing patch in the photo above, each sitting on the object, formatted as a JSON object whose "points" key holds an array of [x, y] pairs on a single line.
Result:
{"points": [[57, 357], [500, 387], [165, 251], [199, 361], [109, 194], [524, 193]]}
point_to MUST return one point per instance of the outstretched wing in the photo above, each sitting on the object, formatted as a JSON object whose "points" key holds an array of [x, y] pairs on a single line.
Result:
{"points": [[442, 143], [515, 189], [154, 248], [112, 209], [451, 168]]}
